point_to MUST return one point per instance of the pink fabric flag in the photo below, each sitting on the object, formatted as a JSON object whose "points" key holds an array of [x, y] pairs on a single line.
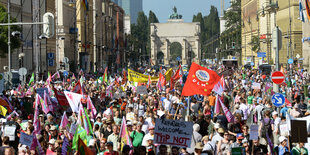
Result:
{"points": [[36, 145], [36, 121], [228, 114], [91, 107], [64, 120], [124, 135], [44, 103], [217, 105]]}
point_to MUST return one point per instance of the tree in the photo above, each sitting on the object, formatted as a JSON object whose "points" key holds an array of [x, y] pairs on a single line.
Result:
{"points": [[255, 43], [15, 41], [175, 50], [233, 15]]}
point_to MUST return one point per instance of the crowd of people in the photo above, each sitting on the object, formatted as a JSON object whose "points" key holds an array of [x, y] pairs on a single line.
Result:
{"points": [[114, 97]]}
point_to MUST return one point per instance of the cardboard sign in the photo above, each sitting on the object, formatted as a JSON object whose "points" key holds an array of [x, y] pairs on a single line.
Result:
{"points": [[298, 131], [40, 91], [255, 85], [25, 139], [253, 132], [173, 132], [141, 90]]}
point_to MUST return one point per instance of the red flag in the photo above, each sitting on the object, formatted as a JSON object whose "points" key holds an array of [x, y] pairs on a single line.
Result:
{"points": [[124, 77], [62, 100], [200, 80], [162, 79], [175, 77], [288, 103], [78, 88]]}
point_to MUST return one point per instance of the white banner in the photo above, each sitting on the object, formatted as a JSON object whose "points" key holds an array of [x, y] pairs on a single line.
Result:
{"points": [[173, 132]]}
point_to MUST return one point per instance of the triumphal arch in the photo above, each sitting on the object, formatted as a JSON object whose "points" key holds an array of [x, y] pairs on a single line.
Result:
{"points": [[162, 35]]}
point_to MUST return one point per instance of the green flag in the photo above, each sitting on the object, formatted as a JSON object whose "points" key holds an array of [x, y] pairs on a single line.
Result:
{"points": [[88, 122], [80, 132], [31, 79]]}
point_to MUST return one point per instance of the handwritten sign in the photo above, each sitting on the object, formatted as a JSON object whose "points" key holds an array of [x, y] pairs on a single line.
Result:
{"points": [[173, 132], [25, 139], [253, 132], [141, 90]]}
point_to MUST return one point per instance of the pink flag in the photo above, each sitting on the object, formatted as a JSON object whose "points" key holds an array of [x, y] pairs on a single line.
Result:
{"points": [[36, 120], [124, 135], [44, 103], [91, 107], [64, 120], [36, 145], [228, 114], [217, 105]]}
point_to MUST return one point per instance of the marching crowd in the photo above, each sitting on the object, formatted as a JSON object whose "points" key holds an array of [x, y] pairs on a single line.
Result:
{"points": [[257, 126]]}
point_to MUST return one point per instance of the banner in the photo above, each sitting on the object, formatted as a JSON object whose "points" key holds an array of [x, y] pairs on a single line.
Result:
{"points": [[173, 132], [61, 98], [138, 77], [25, 139], [74, 100], [228, 114]]}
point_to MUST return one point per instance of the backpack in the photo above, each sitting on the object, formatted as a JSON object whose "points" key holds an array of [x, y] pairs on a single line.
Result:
{"points": [[266, 129]]}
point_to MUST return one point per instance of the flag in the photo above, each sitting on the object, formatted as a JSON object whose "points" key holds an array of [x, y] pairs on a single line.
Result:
{"points": [[49, 78], [61, 97], [149, 82], [36, 121], [80, 133], [83, 149], [301, 12], [36, 146], [124, 76], [65, 146], [106, 75], [288, 103], [73, 100], [91, 107], [168, 74], [124, 135], [78, 88], [217, 104], [81, 71], [108, 111], [8, 103], [162, 80], [5, 104], [64, 121], [44, 103], [56, 74], [3, 111], [200, 80], [31, 79], [228, 114], [219, 87], [89, 129]]}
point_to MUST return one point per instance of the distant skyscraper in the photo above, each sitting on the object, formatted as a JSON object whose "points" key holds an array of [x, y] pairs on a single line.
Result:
{"points": [[131, 8]]}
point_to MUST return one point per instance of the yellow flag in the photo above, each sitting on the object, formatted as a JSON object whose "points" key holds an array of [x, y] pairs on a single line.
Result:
{"points": [[168, 74], [138, 77], [3, 110]]}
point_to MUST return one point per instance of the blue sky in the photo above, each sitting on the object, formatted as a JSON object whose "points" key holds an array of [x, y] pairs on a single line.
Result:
{"points": [[187, 8]]}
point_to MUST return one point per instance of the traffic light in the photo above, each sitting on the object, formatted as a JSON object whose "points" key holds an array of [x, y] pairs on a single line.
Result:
{"points": [[233, 45], [48, 26]]}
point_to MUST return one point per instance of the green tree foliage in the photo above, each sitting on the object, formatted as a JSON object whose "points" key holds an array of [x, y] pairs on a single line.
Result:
{"points": [[233, 15], [209, 26], [255, 43], [15, 41], [175, 50]]}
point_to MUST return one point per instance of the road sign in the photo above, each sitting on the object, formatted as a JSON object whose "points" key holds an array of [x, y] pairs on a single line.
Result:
{"points": [[278, 99], [277, 38], [50, 55], [261, 54], [290, 61], [277, 77], [50, 62], [65, 73], [178, 58], [22, 71]]}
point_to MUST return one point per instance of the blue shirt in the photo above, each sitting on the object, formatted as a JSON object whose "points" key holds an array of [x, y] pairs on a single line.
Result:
{"points": [[283, 111], [282, 149]]}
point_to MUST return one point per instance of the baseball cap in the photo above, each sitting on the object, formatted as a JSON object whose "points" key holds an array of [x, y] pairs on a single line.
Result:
{"points": [[274, 113], [220, 130], [52, 141]]}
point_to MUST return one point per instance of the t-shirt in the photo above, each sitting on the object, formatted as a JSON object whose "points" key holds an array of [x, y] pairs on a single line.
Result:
{"points": [[113, 153], [250, 99], [137, 138], [211, 100]]}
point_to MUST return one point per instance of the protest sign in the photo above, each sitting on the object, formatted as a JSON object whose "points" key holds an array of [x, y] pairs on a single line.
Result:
{"points": [[283, 130], [138, 77], [237, 150], [299, 131], [25, 139], [141, 90], [173, 132], [40, 91], [255, 85], [253, 132]]}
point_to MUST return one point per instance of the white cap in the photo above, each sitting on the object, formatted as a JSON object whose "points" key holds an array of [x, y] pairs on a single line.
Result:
{"points": [[216, 125], [52, 141], [282, 138], [274, 113]]}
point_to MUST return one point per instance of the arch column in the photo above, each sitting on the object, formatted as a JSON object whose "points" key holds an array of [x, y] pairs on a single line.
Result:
{"points": [[184, 51], [167, 52]]}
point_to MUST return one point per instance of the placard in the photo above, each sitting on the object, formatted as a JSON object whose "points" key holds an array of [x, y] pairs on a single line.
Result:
{"points": [[253, 132], [141, 90], [255, 85], [298, 131], [25, 139], [173, 132], [283, 130], [40, 91]]}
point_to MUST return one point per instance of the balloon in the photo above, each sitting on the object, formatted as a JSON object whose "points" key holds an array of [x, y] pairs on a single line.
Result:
{"points": [[264, 77], [101, 79], [68, 80]]}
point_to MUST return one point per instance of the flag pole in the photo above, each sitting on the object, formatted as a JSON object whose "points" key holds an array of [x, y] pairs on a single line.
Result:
{"points": [[187, 113]]}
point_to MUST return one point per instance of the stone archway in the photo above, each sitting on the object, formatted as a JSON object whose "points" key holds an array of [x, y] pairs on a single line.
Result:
{"points": [[175, 30]]}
